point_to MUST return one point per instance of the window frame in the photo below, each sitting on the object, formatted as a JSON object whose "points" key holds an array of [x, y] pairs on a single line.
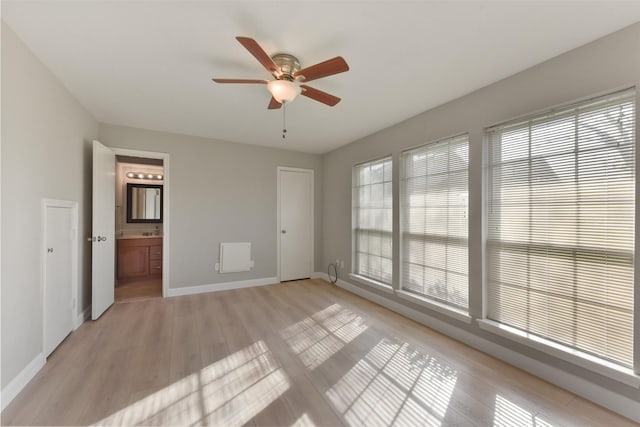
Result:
{"points": [[610, 369], [354, 274], [441, 307]]}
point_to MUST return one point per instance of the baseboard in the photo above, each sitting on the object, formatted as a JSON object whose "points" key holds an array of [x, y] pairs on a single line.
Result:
{"points": [[82, 317], [319, 275], [21, 380], [191, 290], [587, 389]]}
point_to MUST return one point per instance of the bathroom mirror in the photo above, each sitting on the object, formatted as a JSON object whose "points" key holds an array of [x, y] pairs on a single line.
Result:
{"points": [[144, 203]]}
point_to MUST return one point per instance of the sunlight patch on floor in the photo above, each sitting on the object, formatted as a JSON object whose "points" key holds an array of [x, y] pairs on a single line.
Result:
{"points": [[303, 421], [508, 414], [230, 391], [319, 336], [394, 384]]}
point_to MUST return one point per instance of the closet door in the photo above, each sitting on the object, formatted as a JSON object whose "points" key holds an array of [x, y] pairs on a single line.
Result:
{"points": [[58, 297], [296, 223]]}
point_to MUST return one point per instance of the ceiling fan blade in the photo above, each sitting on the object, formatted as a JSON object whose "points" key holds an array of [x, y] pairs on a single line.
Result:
{"points": [[327, 68], [240, 81], [273, 104], [319, 95], [254, 48]]}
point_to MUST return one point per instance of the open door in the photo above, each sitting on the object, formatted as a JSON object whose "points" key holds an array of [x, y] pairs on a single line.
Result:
{"points": [[103, 229]]}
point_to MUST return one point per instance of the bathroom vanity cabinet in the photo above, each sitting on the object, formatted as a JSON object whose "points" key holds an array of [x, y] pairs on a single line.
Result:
{"points": [[139, 258]]}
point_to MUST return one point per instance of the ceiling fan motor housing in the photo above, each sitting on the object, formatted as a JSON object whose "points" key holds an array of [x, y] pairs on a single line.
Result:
{"points": [[288, 65]]}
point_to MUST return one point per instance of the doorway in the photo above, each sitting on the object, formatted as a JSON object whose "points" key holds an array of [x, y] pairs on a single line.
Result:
{"points": [[103, 259], [295, 223], [139, 227]]}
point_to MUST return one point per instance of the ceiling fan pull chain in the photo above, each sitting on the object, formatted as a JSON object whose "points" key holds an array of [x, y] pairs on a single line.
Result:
{"points": [[284, 120]]}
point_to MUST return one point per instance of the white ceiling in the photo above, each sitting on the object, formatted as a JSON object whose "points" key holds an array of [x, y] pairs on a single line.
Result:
{"points": [[149, 64]]}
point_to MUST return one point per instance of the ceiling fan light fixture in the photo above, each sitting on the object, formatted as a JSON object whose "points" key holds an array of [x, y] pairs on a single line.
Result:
{"points": [[283, 90]]}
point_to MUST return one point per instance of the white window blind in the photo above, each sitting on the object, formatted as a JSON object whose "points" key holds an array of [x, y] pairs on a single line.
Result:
{"points": [[560, 242], [434, 224], [373, 220]]}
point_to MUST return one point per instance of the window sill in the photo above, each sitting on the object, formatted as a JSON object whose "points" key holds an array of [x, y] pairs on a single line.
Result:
{"points": [[373, 283], [435, 306], [579, 358]]}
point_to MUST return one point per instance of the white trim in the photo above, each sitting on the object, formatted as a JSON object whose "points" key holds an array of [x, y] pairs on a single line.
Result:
{"points": [[75, 266], [214, 287], [373, 283], [16, 385], [636, 255], [278, 214], [2, 404], [165, 206], [320, 275], [278, 243], [603, 367], [577, 385], [82, 317], [435, 306]]}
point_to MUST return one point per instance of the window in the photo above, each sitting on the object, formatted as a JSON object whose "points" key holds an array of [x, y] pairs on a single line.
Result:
{"points": [[373, 220], [434, 225], [560, 241]]}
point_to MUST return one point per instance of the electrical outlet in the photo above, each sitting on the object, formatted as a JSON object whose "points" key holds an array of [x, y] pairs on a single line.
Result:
{"points": [[341, 264], [217, 266], [337, 263]]}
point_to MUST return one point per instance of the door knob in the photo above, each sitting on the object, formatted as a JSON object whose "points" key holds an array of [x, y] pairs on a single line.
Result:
{"points": [[284, 231], [49, 250]]}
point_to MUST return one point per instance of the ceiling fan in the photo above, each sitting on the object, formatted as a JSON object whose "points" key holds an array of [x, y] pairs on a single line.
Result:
{"points": [[288, 75]]}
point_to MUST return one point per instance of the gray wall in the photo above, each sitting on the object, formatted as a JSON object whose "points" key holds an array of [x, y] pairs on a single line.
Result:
{"points": [[46, 136], [605, 65], [220, 192]]}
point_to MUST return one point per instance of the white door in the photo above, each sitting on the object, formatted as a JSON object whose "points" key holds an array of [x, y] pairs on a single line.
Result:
{"points": [[58, 297], [103, 239], [296, 223]]}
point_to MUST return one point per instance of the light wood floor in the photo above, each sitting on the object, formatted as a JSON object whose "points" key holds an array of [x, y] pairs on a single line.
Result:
{"points": [[302, 353], [142, 289]]}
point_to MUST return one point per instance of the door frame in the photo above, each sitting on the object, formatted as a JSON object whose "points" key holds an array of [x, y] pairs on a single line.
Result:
{"points": [[165, 206], [278, 195], [75, 266]]}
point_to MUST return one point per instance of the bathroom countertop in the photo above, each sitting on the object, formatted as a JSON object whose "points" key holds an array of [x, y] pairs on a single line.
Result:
{"points": [[138, 236]]}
